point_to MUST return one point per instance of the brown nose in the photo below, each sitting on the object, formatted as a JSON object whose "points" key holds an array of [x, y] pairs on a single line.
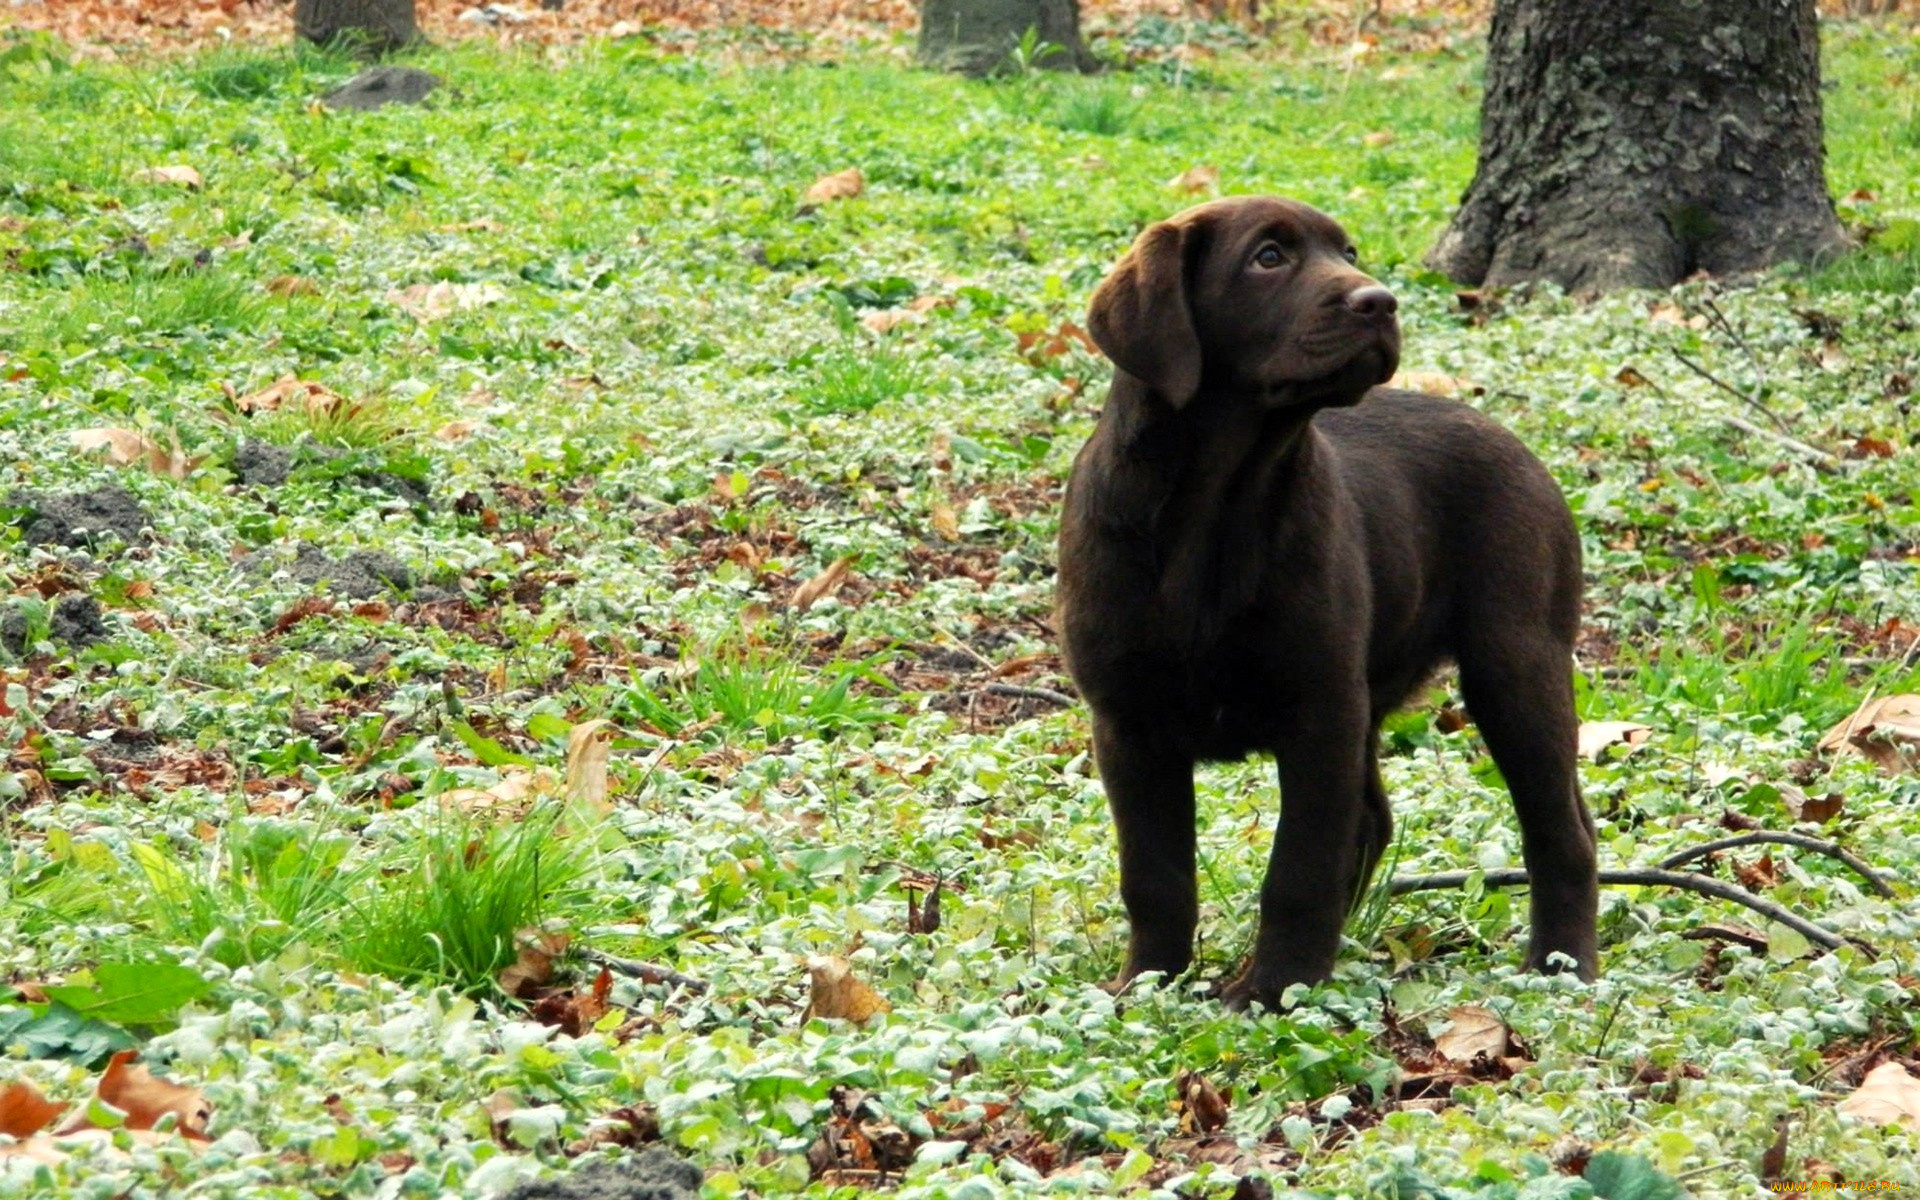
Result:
{"points": [[1372, 301]]}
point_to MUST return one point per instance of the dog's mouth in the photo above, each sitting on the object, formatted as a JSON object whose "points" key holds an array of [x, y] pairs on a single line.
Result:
{"points": [[1371, 363]]}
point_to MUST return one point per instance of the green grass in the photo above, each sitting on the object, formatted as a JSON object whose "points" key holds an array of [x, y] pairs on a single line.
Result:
{"points": [[677, 411], [459, 891]]}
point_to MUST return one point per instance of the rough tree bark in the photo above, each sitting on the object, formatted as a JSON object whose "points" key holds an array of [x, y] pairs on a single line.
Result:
{"points": [[1633, 142], [373, 26], [976, 36]]}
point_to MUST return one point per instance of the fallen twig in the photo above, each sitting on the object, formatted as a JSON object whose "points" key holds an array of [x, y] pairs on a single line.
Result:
{"points": [[1704, 884], [1830, 849], [1820, 459], [1030, 693], [645, 972]]}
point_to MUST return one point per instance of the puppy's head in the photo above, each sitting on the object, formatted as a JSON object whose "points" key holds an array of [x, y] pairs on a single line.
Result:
{"points": [[1251, 295]]}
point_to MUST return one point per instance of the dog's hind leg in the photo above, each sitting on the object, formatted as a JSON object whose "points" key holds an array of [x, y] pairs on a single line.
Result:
{"points": [[1519, 691], [1376, 827]]}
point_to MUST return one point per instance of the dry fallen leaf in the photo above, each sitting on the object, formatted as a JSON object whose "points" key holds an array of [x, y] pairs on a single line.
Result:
{"points": [[825, 584], [1435, 383], [589, 745], [458, 431], [1203, 1108], [886, 320], [841, 185], [180, 176], [145, 1098], [1474, 1031], [838, 994], [130, 447], [1889, 1095], [1597, 736], [1886, 730], [433, 301], [24, 1111], [1818, 810], [1195, 179], [316, 399], [292, 285], [533, 968], [945, 523]]}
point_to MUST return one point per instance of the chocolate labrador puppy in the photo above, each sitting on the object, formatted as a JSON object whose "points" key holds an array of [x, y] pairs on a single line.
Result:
{"points": [[1249, 562]]}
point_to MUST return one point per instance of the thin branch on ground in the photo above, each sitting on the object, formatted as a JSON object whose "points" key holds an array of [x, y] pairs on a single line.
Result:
{"points": [[1643, 876], [1820, 459], [645, 972], [1715, 316], [1831, 849], [1030, 693], [1751, 401]]}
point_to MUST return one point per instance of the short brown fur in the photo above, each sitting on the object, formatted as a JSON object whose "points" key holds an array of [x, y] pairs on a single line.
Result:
{"points": [[1249, 562]]}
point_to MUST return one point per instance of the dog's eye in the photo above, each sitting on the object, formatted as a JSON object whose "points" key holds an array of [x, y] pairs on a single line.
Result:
{"points": [[1269, 256], [1353, 256]]}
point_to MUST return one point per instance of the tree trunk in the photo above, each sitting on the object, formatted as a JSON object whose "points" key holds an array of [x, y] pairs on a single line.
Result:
{"points": [[370, 26], [1633, 142], [979, 37]]}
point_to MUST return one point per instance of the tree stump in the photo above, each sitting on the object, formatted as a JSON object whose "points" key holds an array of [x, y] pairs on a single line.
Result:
{"points": [[978, 37], [372, 27], [1632, 143]]}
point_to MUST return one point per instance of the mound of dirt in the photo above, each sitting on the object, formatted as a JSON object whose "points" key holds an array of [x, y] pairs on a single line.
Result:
{"points": [[75, 519], [263, 464], [78, 622], [656, 1175], [360, 575], [13, 632]]}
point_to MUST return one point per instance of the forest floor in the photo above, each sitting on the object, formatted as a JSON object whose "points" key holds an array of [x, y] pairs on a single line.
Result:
{"points": [[515, 606]]}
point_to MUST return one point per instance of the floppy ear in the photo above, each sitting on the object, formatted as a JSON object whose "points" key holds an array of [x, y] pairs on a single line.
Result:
{"points": [[1140, 319]]}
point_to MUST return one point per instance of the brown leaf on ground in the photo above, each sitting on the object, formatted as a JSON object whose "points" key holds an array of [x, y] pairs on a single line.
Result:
{"points": [[1817, 810], [24, 1111], [1885, 729], [575, 1013], [130, 447], [838, 994], [1889, 1095], [179, 175], [841, 185], [1475, 1031], [1202, 1107], [1773, 1163], [1434, 383], [434, 301], [317, 400], [1757, 876], [589, 746], [944, 521], [500, 1107], [292, 285], [533, 969], [1596, 737], [628, 1127], [1195, 179], [825, 584], [146, 1098]]}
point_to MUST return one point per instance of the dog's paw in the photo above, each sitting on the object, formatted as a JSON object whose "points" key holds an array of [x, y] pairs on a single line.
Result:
{"points": [[1266, 986]]}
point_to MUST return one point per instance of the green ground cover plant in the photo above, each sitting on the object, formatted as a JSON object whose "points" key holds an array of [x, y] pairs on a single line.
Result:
{"points": [[444, 431]]}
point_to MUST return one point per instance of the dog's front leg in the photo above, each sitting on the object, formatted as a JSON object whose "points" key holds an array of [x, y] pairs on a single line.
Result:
{"points": [[1150, 793], [1317, 857]]}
